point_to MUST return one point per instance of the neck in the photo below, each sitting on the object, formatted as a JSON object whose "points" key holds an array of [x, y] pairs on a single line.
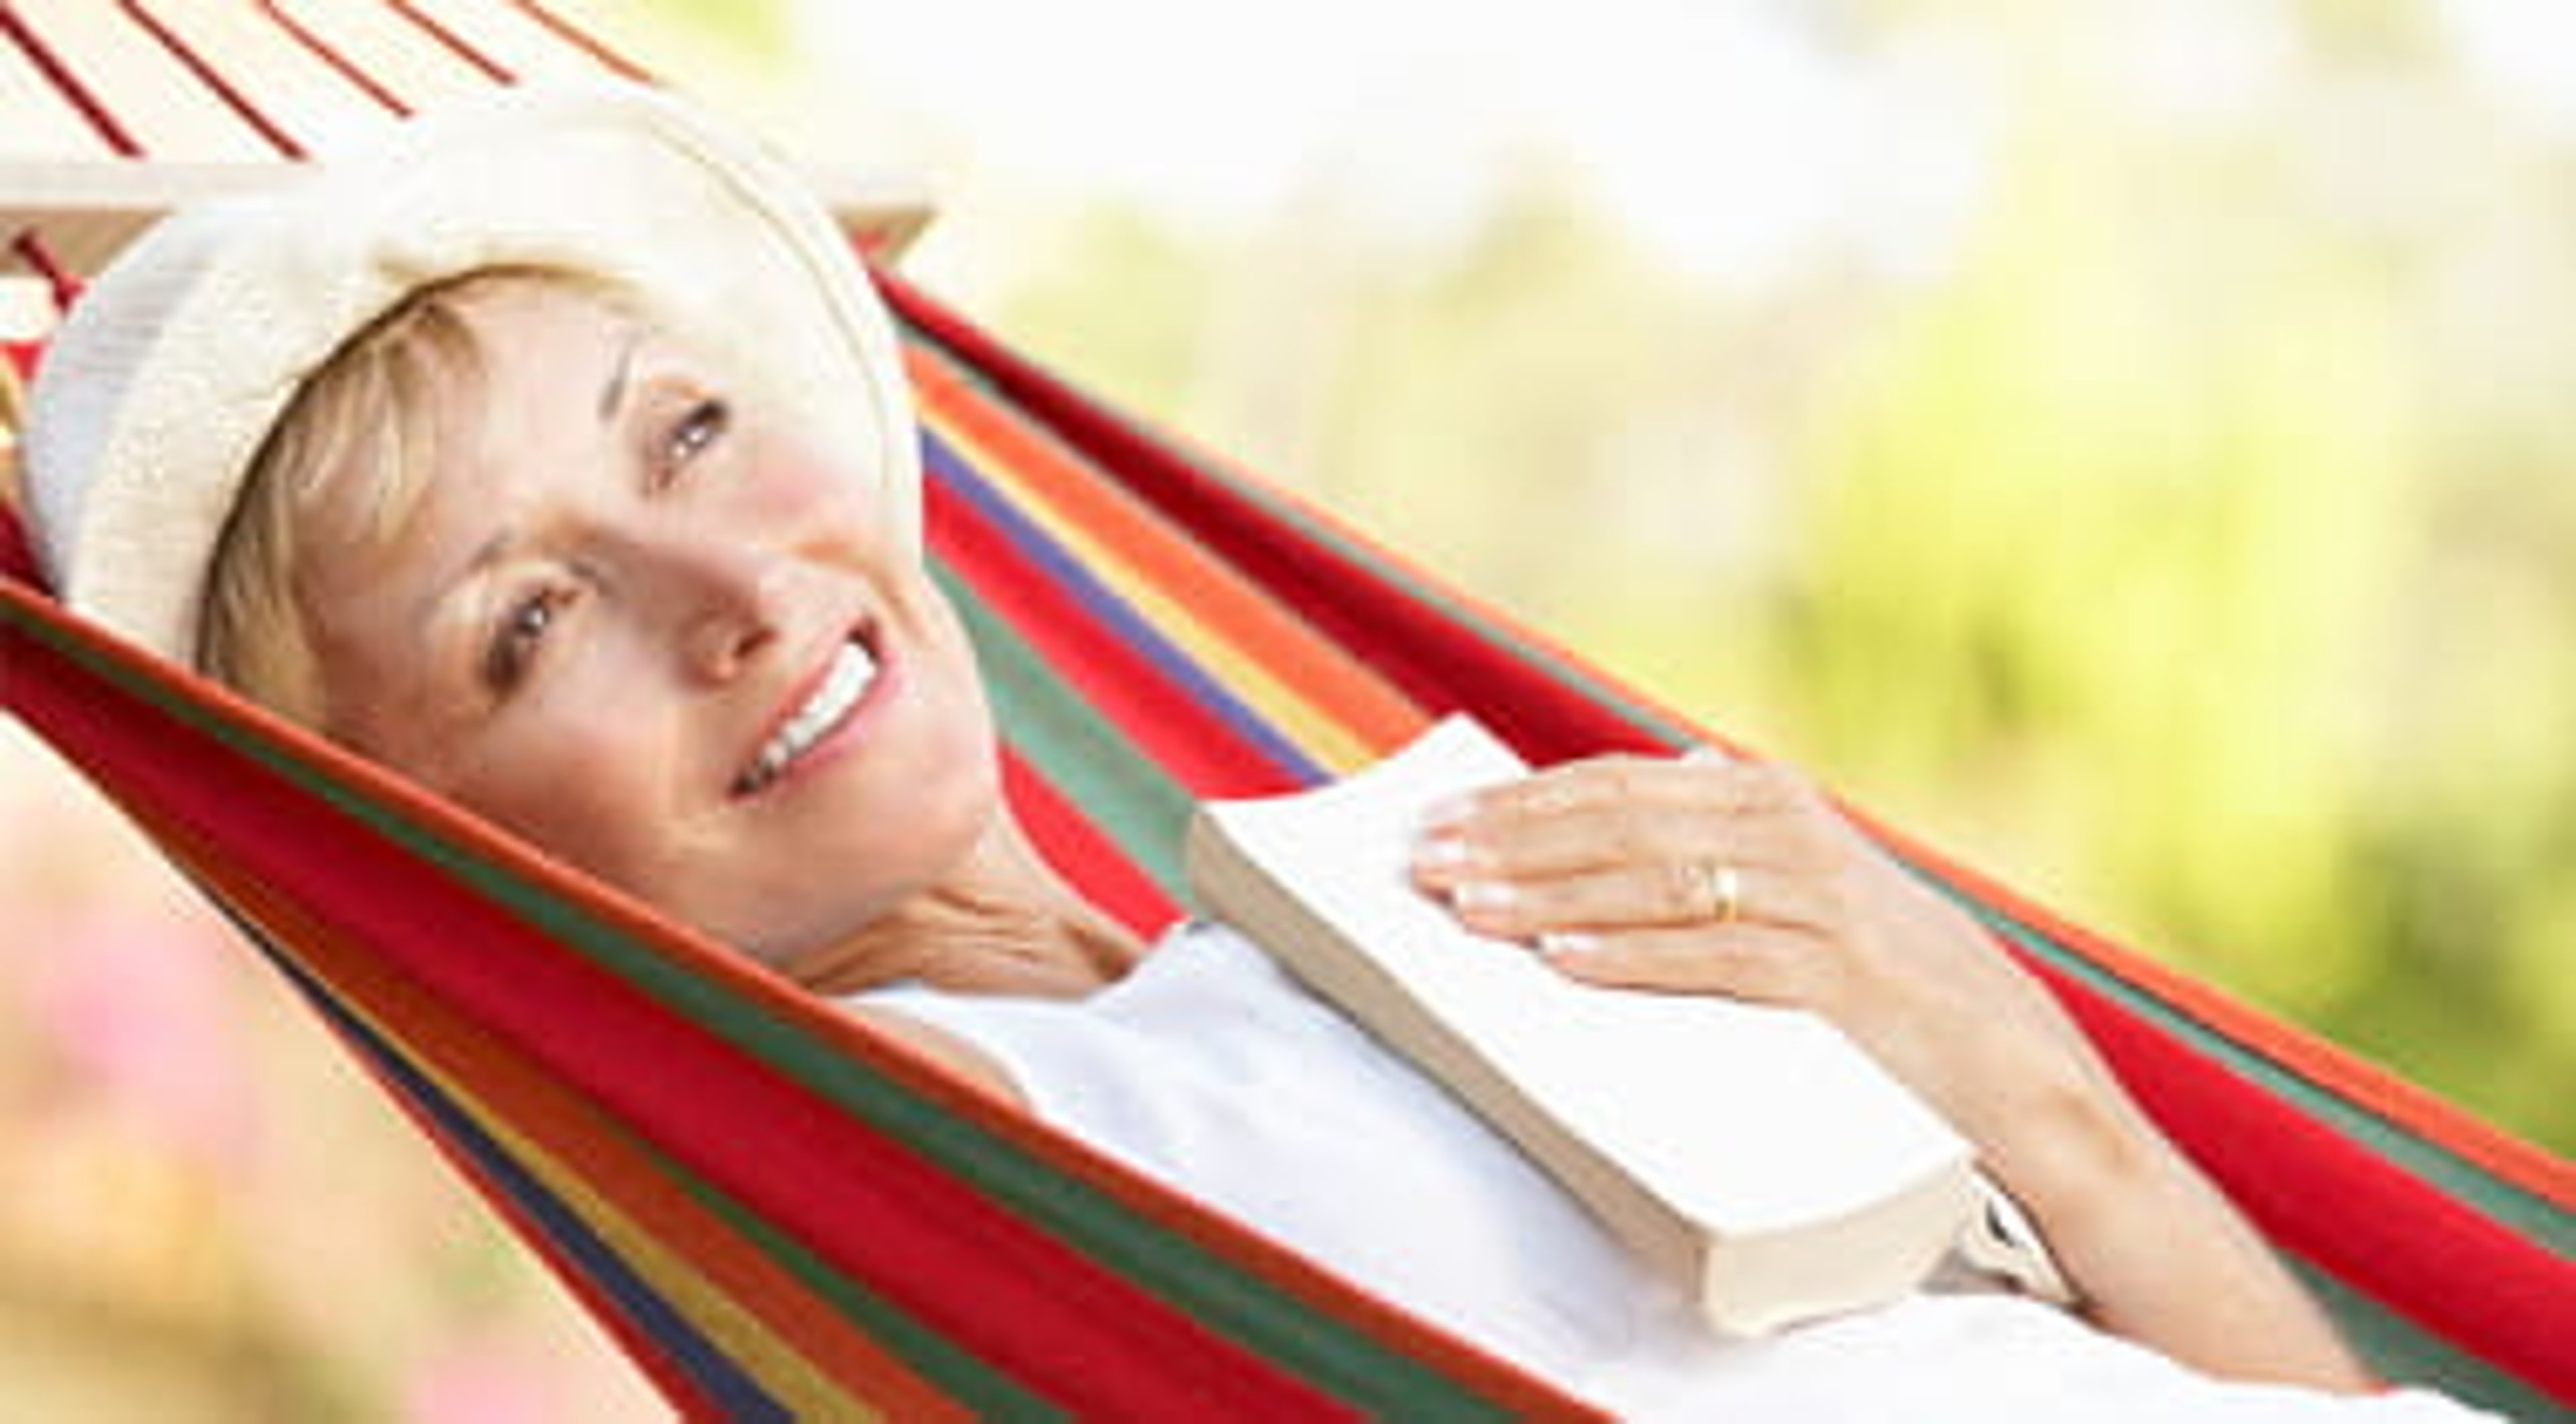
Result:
{"points": [[1005, 923]]}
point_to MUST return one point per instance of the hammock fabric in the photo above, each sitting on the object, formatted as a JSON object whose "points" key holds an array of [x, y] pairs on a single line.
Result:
{"points": [[777, 1214]]}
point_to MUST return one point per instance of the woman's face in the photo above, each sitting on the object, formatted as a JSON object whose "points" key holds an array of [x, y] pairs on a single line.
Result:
{"points": [[637, 621]]}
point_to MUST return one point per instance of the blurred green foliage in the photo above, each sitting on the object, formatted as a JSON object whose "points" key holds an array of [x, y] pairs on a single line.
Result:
{"points": [[2193, 545], [761, 32]]}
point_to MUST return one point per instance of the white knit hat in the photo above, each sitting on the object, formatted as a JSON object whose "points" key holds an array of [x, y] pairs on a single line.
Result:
{"points": [[157, 391]]}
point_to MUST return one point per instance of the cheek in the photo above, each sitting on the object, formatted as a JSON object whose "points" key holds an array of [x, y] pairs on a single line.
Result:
{"points": [[791, 486], [586, 790]]}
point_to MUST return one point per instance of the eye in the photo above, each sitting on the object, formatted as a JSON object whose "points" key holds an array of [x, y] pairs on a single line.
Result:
{"points": [[520, 636], [688, 437]]}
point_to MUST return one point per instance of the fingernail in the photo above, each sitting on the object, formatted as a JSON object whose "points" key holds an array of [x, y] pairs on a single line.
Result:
{"points": [[1484, 895], [1703, 752], [1568, 942], [1440, 852], [1448, 812]]}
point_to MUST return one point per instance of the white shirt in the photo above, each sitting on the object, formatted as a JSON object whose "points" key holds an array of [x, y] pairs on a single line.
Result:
{"points": [[1211, 1070]]}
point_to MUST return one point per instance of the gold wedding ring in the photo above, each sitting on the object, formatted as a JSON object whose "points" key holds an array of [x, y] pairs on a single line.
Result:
{"points": [[1721, 887]]}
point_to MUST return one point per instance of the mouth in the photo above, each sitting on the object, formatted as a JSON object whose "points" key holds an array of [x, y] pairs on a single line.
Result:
{"points": [[834, 697]]}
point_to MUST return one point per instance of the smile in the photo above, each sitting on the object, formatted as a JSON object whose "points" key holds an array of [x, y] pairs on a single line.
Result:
{"points": [[845, 683]]}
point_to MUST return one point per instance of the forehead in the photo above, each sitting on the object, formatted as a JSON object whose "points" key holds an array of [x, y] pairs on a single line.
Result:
{"points": [[529, 322], [470, 389]]}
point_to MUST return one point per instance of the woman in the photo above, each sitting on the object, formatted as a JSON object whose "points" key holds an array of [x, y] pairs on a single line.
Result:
{"points": [[559, 456]]}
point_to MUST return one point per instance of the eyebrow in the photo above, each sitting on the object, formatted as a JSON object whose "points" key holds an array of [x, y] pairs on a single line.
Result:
{"points": [[613, 394], [487, 554]]}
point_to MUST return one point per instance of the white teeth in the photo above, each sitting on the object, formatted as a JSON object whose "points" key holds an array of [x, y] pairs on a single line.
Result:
{"points": [[843, 685]]}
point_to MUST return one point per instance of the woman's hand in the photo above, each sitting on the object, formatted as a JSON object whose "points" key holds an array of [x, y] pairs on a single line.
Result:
{"points": [[1709, 875], [1706, 875]]}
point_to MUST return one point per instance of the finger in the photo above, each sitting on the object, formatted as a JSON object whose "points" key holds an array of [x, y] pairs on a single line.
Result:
{"points": [[1569, 841], [1603, 812], [1727, 787], [1758, 963], [1657, 894], [1570, 787]]}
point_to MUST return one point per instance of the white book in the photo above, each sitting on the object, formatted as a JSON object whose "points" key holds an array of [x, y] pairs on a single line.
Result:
{"points": [[1755, 1153]]}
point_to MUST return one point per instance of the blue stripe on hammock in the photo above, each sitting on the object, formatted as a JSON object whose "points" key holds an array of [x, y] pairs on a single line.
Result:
{"points": [[1085, 592]]}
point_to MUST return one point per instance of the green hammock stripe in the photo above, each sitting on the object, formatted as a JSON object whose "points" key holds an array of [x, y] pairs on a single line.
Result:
{"points": [[1131, 798], [2399, 1350]]}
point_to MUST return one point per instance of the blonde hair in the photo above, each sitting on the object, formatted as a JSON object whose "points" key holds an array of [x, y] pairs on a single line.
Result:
{"points": [[360, 433]]}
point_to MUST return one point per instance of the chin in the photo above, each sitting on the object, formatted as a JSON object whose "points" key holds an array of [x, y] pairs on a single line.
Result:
{"points": [[852, 882]]}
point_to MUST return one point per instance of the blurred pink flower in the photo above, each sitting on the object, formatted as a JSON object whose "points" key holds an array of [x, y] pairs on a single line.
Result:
{"points": [[138, 1006], [493, 1379]]}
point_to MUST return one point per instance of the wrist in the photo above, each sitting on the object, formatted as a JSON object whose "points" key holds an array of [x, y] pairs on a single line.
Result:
{"points": [[2076, 1154], [2150, 1249]]}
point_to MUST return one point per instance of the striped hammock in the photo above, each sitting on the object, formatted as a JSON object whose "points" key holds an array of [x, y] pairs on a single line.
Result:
{"points": [[778, 1215]]}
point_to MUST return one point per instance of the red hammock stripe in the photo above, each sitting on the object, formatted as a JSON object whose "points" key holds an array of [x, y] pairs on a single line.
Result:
{"points": [[1097, 866]]}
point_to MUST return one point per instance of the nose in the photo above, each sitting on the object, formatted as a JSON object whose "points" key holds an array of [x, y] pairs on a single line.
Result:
{"points": [[725, 599]]}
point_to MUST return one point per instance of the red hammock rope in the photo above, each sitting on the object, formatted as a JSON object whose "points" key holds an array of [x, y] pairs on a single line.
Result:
{"points": [[66, 83], [453, 42], [333, 59], [206, 74]]}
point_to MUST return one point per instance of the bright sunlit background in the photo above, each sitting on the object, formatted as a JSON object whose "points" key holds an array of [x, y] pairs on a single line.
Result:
{"points": [[2125, 441]]}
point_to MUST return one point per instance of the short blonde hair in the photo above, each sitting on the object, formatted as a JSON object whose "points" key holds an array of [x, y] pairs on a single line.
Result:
{"points": [[361, 433]]}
